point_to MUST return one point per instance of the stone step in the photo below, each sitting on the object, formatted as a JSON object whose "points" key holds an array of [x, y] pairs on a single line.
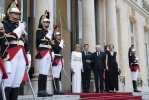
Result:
{"points": [[54, 97], [145, 95]]}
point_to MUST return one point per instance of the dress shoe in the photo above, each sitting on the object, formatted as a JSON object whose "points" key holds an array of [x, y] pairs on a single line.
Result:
{"points": [[49, 95], [41, 94], [101, 91], [136, 90]]}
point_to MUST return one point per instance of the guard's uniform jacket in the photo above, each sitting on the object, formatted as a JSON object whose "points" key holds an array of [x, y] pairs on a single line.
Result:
{"points": [[15, 43], [133, 63], [57, 53], [43, 44], [4, 56]]}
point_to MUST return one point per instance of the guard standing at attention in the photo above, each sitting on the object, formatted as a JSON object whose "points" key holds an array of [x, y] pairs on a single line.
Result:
{"points": [[18, 50], [44, 55]]}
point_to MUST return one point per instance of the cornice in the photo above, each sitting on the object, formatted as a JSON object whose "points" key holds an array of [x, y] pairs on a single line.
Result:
{"points": [[137, 8]]}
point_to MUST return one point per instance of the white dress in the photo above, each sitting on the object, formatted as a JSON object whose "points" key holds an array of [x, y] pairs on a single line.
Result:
{"points": [[76, 65]]}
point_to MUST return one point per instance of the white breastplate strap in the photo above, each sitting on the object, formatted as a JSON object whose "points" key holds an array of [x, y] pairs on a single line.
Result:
{"points": [[57, 55], [45, 46], [18, 42]]}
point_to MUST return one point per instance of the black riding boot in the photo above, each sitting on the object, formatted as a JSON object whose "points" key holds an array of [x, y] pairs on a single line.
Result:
{"points": [[135, 86], [45, 85], [7, 92], [58, 87], [41, 93], [14, 93], [55, 86]]}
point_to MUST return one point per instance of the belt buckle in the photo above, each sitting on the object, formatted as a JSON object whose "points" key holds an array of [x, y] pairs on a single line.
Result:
{"points": [[49, 46], [18, 42]]}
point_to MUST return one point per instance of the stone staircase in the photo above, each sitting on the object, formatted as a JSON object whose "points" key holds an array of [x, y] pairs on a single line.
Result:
{"points": [[145, 95], [55, 97]]}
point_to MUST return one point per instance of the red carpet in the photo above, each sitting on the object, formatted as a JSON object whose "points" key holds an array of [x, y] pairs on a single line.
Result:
{"points": [[107, 96]]}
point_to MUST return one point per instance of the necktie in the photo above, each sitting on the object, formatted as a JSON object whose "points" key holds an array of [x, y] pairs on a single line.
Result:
{"points": [[98, 53]]}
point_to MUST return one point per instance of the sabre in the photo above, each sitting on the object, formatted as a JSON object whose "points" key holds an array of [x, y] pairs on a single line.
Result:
{"points": [[60, 22], [67, 76], [30, 84], [22, 17], [142, 80], [3, 92], [53, 77]]}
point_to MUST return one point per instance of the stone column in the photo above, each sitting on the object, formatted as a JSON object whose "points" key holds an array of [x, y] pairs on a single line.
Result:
{"points": [[88, 24], [111, 36], [40, 7], [123, 50], [101, 22], [141, 53], [88, 29]]}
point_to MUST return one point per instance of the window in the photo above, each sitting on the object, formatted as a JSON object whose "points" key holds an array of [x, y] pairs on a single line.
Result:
{"points": [[146, 50], [132, 33]]}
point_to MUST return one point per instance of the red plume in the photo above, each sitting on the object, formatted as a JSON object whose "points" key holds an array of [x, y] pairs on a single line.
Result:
{"points": [[47, 12], [55, 27]]}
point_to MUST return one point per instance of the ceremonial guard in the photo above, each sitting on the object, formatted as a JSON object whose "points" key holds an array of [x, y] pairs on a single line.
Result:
{"points": [[45, 54], [134, 67], [4, 56], [18, 50], [58, 62]]}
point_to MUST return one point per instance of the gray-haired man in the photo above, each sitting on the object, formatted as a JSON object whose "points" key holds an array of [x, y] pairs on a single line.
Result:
{"points": [[98, 67]]}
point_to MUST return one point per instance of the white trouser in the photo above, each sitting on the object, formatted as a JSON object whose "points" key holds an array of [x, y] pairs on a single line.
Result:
{"points": [[44, 64], [1, 74], [135, 75], [18, 65], [57, 70]]}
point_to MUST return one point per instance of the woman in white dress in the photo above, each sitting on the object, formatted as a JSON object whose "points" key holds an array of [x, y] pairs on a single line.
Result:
{"points": [[76, 68]]}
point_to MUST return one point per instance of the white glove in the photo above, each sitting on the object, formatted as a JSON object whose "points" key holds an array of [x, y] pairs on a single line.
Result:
{"points": [[29, 61], [52, 55], [61, 44], [1, 26], [7, 65], [137, 58], [49, 34], [63, 62], [18, 31], [22, 25]]}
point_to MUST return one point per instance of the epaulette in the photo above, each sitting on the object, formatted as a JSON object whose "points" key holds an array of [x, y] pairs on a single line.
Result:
{"points": [[39, 29], [53, 42], [4, 21]]}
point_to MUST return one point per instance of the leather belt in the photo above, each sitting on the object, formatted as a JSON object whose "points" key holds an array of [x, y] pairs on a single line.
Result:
{"points": [[133, 63], [45, 46], [57, 54], [18, 42]]}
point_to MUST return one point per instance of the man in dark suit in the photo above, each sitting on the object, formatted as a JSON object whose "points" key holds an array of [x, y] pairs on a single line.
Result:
{"points": [[98, 67], [87, 60]]}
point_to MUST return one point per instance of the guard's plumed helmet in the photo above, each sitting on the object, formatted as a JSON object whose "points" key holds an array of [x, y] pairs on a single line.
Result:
{"points": [[56, 32], [13, 8], [44, 18], [133, 50]]}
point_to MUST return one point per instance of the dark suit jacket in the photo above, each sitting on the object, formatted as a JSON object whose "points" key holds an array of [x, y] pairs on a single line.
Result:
{"points": [[88, 57], [99, 61]]}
